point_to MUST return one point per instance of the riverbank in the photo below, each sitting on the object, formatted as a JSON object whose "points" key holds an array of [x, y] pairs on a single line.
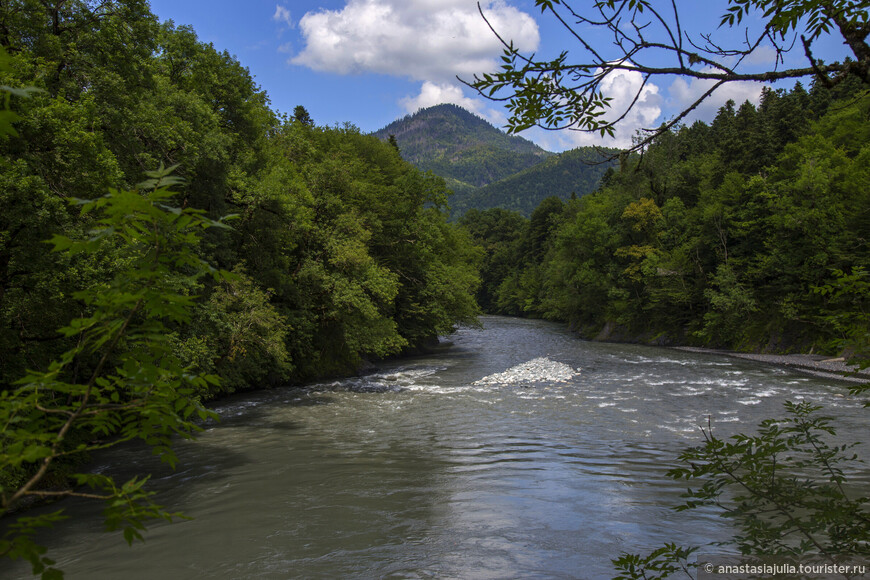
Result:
{"points": [[817, 365], [823, 366]]}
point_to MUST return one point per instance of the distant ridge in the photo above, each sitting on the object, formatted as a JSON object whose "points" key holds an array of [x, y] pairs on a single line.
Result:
{"points": [[576, 172]]}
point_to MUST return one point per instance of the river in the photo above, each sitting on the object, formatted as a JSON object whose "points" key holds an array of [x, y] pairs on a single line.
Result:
{"points": [[427, 469]]}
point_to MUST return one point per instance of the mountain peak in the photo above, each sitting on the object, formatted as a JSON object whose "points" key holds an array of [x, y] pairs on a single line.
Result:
{"points": [[460, 146]]}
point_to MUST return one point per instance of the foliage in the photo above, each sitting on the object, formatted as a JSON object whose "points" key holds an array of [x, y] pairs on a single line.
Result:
{"points": [[747, 233], [120, 381], [848, 315], [301, 115], [778, 507], [649, 42], [514, 252], [659, 563], [499, 233], [341, 251], [238, 335], [701, 243], [334, 224], [355, 244], [785, 489], [573, 173], [486, 168]]}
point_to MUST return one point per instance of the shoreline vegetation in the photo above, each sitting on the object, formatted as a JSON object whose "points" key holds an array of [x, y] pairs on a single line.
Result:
{"points": [[265, 250]]}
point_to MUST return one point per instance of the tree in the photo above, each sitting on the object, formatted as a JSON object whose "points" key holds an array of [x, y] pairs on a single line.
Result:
{"points": [[501, 234], [649, 40], [301, 115]]}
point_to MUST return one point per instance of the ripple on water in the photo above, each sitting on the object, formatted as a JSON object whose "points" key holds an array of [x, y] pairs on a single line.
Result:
{"points": [[415, 472]]}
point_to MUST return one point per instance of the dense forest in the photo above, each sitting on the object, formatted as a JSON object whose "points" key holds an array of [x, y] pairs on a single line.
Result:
{"points": [[341, 245], [574, 173], [485, 167], [747, 233]]}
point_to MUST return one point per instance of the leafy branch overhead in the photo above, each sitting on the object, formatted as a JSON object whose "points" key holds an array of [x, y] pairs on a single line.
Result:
{"points": [[121, 380], [785, 489], [648, 38]]}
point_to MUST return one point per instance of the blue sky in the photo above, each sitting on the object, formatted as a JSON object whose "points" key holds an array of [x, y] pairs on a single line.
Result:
{"points": [[369, 62]]}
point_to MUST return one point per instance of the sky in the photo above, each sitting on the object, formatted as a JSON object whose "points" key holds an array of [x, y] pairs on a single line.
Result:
{"points": [[370, 62]]}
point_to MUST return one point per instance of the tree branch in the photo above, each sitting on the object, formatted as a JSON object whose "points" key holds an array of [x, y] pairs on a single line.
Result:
{"points": [[558, 94]]}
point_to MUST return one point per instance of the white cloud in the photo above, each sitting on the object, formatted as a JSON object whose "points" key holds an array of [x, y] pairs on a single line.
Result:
{"points": [[647, 113], [282, 14], [685, 92], [425, 40], [763, 55], [433, 41], [621, 86], [432, 94]]}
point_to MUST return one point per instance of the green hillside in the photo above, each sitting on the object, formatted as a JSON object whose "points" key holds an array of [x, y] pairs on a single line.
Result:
{"points": [[573, 172], [460, 146]]}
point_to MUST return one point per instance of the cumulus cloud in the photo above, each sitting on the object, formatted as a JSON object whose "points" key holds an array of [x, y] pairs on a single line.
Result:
{"points": [[432, 94], [651, 109], [282, 15], [435, 93], [430, 41], [621, 86], [684, 92], [425, 40], [763, 55]]}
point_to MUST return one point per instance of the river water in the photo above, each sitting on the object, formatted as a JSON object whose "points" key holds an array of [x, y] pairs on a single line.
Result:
{"points": [[429, 469]]}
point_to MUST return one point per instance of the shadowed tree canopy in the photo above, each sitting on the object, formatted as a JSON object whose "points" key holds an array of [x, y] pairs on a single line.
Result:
{"points": [[647, 37], [301, 114]]}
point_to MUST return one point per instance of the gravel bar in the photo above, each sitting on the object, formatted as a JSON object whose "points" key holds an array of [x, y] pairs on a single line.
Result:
{"points": [[540, 369]]}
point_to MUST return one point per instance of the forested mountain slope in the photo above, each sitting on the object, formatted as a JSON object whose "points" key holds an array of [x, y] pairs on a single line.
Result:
{"points": [[485, 167], [573, 173], [458, 145]]}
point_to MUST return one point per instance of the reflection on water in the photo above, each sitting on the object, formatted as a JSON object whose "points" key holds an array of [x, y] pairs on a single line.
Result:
{"points": [[422, 470]]}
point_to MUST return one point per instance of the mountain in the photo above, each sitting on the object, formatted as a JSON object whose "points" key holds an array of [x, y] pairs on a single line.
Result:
{"points": [[485, 167], [461, 147], [577, 172]]}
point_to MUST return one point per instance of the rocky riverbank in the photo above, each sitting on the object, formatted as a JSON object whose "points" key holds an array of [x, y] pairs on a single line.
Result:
{"points": [[818, 365]]}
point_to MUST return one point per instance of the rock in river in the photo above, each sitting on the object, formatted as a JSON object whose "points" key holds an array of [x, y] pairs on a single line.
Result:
{"points": [[540, 369]]}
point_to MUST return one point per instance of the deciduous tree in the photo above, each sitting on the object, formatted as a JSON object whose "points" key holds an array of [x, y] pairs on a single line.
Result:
{"points": [[650, 39]]}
